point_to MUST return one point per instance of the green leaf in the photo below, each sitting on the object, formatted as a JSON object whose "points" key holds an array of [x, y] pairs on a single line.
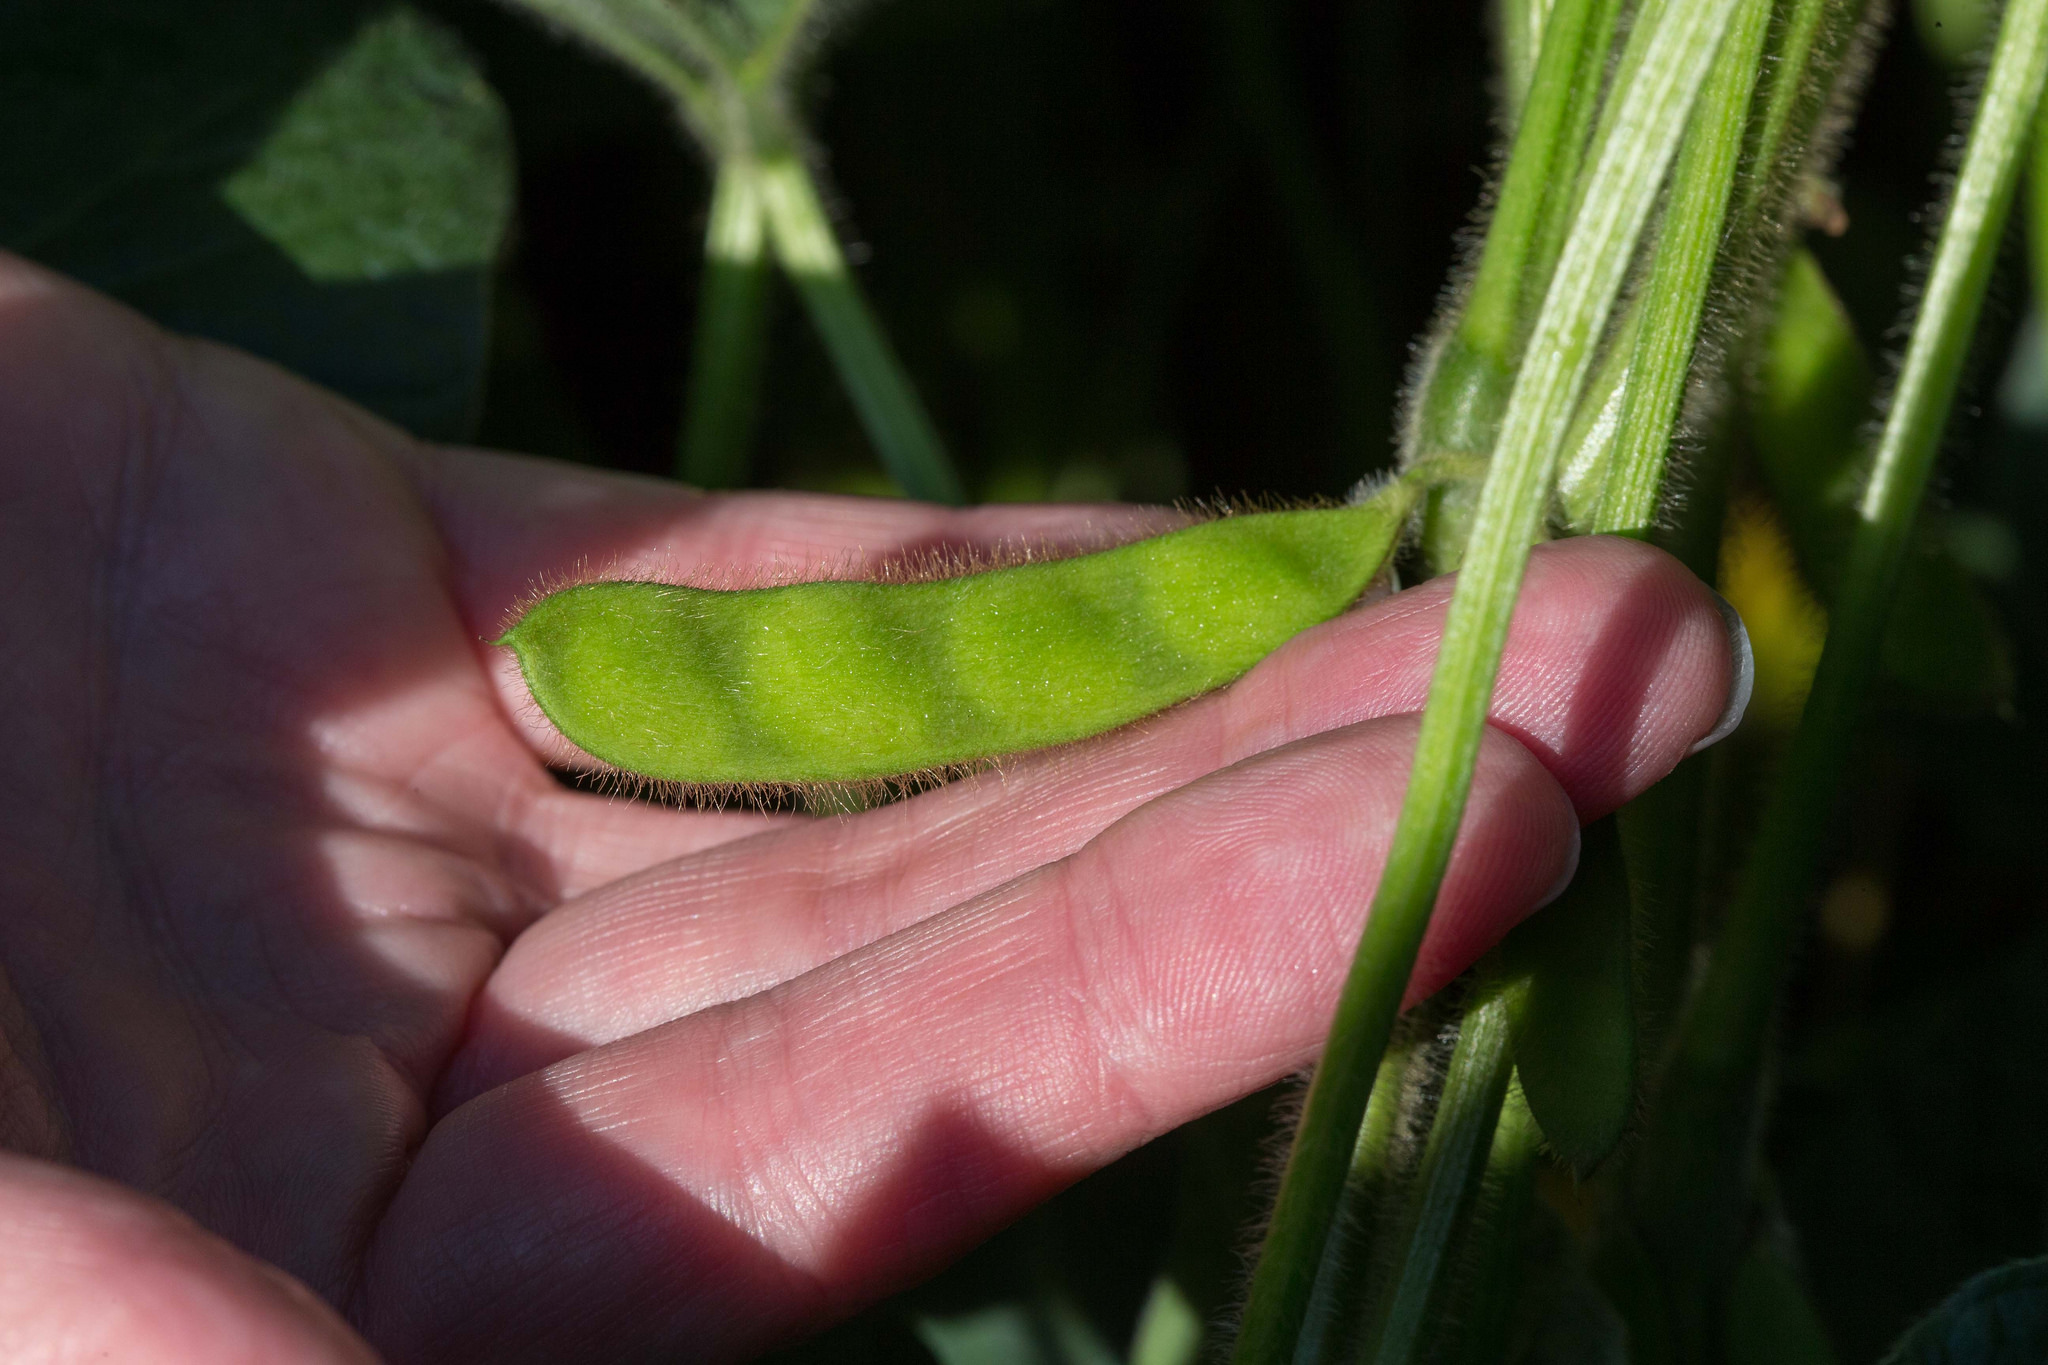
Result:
{"points": [[1169, 1330], [1944, 645], [1808, 413], [1574, 1027], [391, 161], [1581, 1328], [1042, 1331], [324, 183], [1998, 1318], [1770, 1321]]}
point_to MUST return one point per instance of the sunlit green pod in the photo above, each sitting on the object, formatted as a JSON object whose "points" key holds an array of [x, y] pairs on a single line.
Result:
{"points": [[850, 681]]}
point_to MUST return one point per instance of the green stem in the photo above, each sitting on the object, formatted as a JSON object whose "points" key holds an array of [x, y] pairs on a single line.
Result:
{"points": [[1471, 374], [889, 407], [1518, 30], [1491, 1258], [1453, 1163], [1562, 186], [1721, 1045], [2037, 214], [1549, 139], [1683, 267], [765, 64], [1809, 61], [732, 331], [1678, 46], [1330, 1333]]}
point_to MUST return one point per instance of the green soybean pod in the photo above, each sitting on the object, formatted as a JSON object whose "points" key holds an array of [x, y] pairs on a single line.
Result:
{"points": [[853, 681]]}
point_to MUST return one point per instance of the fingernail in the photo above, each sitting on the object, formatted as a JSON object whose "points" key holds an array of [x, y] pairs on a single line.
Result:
{"points": [[1571, 870], [1742, 663]]}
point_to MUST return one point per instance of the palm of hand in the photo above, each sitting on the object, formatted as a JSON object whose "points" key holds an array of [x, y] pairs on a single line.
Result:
{"points": [[278, 835]]}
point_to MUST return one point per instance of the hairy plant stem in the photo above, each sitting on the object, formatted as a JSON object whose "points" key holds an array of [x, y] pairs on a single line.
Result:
{"points": [[889, 408], [1330, 1334], [723, 394], [1518, 31], [1562, 189], [1549, 140], [1453, 1163], [1689, 1175], [1677, 43], [1472, 371], [1490, 1261], [1811, 71], [1683, 266], [728, 85]]}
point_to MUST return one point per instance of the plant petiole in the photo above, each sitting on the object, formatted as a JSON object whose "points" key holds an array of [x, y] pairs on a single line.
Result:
{"points": [[889, 408], [723, 394]]}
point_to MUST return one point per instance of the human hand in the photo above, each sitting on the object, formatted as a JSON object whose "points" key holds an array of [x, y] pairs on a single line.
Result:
{"points": [[302, 939]]}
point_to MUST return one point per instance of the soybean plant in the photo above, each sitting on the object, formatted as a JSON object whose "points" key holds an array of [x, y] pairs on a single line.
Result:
{"points": [[729, 68], [1638, 291], [1646, 320]]}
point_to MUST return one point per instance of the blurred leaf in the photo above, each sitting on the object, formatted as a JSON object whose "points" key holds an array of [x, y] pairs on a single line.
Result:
{"points": [[1626, 1275], [1955, 31], [1809, 413], [1770, 1321], [2036, 210], [1169, 1329], [1045, 1331], [391, 161], [1581, 1328], [1998, 1318], [324, 183], [1944, 646], [1574, 1031]]}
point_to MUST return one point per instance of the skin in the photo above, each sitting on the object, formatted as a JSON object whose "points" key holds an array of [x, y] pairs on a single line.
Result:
{"points": [[324, 1003]]}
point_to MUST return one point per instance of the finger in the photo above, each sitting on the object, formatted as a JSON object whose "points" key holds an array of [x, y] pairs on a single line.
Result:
{"points": [[91, 1271], [742, 1174], [1617, 663]]}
